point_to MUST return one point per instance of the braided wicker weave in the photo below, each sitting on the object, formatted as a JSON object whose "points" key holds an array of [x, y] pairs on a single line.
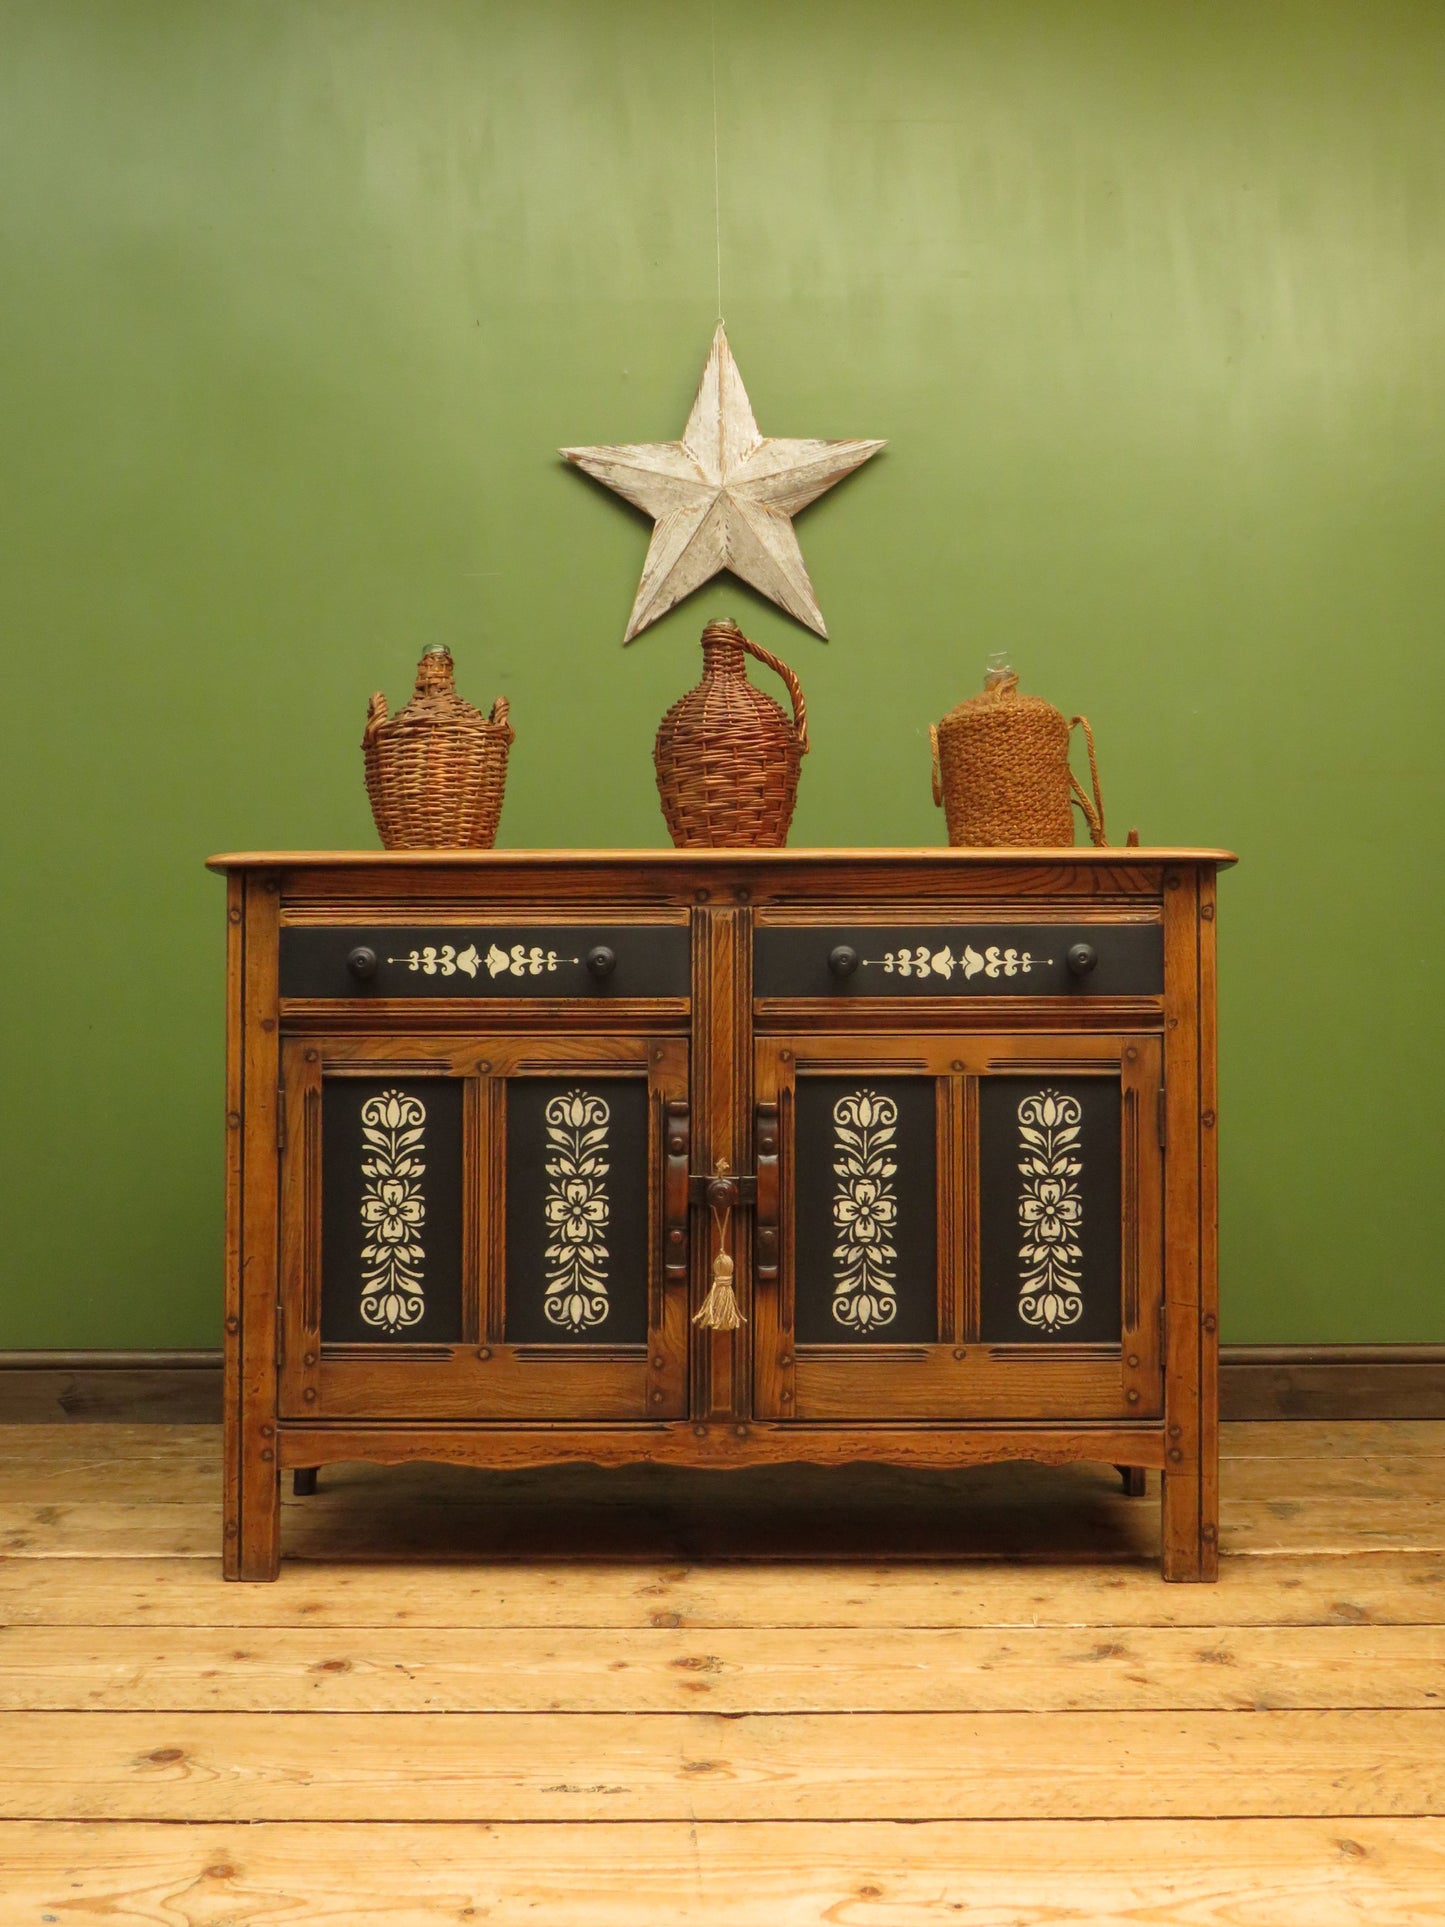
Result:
{"points": [[436, 770], [1001, 770], [727, 757]]}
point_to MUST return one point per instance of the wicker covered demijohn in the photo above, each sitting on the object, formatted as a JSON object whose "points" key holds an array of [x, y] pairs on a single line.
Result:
{"points": [[727, 756], [1001, 770], [436, 770]]}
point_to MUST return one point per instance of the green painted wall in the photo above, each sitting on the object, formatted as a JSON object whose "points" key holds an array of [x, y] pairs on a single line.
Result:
{"points": [[298, 298]]}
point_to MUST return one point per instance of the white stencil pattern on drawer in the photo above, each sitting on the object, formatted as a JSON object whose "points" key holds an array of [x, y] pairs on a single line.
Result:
{"points": [[393, 1211], [445, 960], [865, 1210], [577, 1209], [993, 961], [1051, 1211]]}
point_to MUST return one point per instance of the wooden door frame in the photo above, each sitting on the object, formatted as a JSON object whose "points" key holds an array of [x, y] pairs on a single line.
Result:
{"points": [[480, 1377], [959, 1377]]}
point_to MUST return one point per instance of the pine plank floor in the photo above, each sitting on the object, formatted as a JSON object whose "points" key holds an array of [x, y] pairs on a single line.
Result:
{"points": [[861, 1698]]}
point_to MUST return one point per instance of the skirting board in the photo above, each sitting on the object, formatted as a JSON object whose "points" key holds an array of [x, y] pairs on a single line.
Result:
{"points": [[1256, 1382]]}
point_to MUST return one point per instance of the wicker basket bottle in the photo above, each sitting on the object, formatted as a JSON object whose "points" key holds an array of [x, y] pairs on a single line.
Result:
{"points": [[1001, 770], [436, 770], [727, 756]]}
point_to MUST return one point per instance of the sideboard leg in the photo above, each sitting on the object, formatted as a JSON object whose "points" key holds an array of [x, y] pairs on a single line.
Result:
{"points": [[1136, 1481], [251, 1510], [303, 1481], [1189, 1542], [260, 1549]]}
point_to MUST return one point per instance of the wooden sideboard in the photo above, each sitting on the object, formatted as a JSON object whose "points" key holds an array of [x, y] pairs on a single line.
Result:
{"points": [[492, 1116]]}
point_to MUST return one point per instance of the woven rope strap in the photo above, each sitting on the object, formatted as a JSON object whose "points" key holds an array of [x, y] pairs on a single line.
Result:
{"points": [[1093, 812]]}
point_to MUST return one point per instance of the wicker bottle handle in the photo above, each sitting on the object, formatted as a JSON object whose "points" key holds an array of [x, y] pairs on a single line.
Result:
{"points": [[1093, 812], [501, 709], [937, 767], [795, 688]]}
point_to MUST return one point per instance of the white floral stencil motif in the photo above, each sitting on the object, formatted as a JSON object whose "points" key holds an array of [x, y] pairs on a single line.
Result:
{"points": [[1051, 1212], [393, 1211], [865, 1210], [577, 1210]]}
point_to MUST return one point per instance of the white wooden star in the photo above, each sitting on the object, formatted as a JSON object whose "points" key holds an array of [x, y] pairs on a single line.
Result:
{"points": [[723, 498]]}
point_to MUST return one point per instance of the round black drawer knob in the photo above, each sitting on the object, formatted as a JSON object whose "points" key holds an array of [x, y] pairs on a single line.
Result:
{"points": [[601, 961], [1081, 958], [843, 960], [362, 962]]}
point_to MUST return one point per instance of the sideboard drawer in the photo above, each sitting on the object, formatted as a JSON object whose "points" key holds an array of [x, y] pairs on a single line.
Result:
{"points": [[487, 961], [909, 959]]}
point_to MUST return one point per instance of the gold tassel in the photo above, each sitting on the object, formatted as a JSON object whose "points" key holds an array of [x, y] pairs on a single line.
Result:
{"points": [[719, 1310]]}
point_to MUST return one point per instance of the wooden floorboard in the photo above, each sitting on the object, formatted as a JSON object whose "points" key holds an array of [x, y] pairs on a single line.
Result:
{"points": [[617, 1766], [863, 1595], [1004, 1873], [719, 1670], [645, 1696], [142, 1504]]}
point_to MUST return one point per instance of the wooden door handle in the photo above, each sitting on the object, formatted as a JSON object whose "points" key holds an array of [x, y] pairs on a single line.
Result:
{"points": [[677, 1154], [765, 1227]]}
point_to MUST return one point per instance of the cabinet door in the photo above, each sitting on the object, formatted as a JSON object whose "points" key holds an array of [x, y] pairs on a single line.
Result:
{"points": [[475, 1228], [958, 1227]]}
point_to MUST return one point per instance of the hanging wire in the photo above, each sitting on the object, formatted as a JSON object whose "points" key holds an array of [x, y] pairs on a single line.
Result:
{"points": [[716, 168]]}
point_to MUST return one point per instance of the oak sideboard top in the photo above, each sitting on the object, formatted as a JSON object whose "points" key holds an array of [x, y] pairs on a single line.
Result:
{"points": [[933, 857]]}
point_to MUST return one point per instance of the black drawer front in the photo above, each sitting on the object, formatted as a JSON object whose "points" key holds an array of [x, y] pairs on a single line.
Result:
{"points": [[960, 960], [492, 961]]}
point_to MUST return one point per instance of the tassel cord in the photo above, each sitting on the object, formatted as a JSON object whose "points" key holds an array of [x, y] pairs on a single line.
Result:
{"points": [[720, 1310]]}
